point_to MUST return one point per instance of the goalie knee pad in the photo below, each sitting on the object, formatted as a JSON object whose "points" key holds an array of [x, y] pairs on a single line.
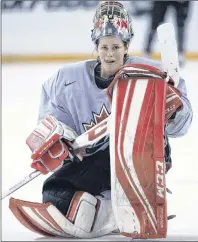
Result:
{"points": [[91, 214], [82, 210]]}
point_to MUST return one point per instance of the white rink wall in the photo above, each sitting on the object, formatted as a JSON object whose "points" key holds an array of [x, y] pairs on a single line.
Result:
{"points": [[67, 30]]}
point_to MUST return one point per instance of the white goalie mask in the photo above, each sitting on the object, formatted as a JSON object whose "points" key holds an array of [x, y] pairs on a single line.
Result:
{"points": [[111, 18]]}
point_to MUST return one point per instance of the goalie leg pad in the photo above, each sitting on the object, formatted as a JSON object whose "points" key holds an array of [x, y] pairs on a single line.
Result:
{"points": [[87, 217], [137, 157], [35, 217]]}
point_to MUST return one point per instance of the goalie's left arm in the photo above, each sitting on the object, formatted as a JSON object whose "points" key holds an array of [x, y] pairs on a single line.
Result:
{"points": [[183, 118]]}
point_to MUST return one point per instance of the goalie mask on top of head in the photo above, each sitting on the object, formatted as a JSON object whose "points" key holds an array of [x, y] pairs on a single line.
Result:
{"points": [[112, 19]]}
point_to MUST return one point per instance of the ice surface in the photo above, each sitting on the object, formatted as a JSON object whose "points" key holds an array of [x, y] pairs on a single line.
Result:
{"points": [[21, 87]]}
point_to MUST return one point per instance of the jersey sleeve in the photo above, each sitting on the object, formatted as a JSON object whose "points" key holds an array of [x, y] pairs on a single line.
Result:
{"points": [[49, 104], [183, 118]]}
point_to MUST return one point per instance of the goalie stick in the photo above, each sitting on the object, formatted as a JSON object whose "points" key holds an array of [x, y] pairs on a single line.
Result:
{"points": [[170, 65], [168, 50]]}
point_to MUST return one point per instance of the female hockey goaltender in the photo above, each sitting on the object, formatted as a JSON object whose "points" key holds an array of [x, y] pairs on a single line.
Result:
{"points": [[76, 197]]}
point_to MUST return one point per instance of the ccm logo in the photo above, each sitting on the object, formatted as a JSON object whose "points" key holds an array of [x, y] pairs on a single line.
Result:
{"points": [[160, 178]]}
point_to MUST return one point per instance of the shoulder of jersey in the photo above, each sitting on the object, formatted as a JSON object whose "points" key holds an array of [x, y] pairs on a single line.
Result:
{"points": [[143, 60], [72, 73]]}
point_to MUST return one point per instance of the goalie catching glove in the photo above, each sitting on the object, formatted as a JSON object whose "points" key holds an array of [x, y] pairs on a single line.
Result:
{"points": [[49, 144]]}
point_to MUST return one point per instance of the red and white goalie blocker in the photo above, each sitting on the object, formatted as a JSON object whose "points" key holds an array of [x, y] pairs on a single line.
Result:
{"points": [[143, 101], [49, 144]]}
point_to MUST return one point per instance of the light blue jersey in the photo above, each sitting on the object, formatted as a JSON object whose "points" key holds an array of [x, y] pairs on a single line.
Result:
{"points": [[72, 96]]}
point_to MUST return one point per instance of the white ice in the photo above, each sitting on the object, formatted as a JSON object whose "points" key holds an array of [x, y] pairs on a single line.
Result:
{"points": [[21, 87]]}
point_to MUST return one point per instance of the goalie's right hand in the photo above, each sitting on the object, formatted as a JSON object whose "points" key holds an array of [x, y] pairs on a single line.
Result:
{"points": [[48, 143]]}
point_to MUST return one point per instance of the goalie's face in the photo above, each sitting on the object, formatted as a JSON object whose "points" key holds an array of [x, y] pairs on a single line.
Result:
{"points": [[111, 51]]}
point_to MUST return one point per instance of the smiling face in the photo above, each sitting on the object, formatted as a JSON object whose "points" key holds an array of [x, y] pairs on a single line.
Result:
{"points": [[111, 51]]}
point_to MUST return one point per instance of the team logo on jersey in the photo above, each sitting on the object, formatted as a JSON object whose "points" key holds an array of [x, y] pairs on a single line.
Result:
{"points": [[97, 118]]}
